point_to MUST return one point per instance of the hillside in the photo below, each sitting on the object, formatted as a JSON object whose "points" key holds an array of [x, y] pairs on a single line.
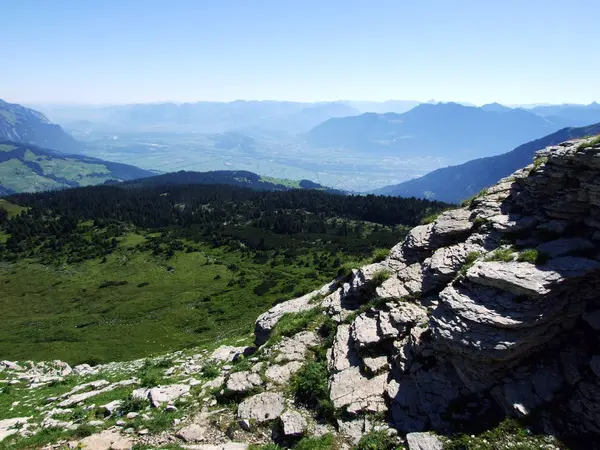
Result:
{"points": [[456, 183], [200, 248], [21, 124], [241, 178], [478, 330], [27, 168], [449, 130]]}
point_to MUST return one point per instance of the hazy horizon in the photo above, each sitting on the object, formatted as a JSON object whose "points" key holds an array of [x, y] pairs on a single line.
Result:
{"points": [[115, 52]]}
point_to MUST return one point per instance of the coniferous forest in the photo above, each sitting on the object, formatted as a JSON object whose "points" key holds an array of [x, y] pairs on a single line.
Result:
{"points": [[189, 263]]}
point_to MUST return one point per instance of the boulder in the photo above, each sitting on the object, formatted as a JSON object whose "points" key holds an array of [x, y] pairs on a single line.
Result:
{"points": [[227, 353], [423, 441], [281, 374], [193, 433], [243, 381], [106, 440], [262, 407], [166, 394], [293, 423]]}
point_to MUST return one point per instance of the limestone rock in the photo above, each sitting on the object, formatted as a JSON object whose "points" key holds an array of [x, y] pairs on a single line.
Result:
{"points": [[342, 354], [352, 390], [243, 381], [451, 223], [227, 353], [192, 433], [563, 246], [106, 440], [376, 365], [281, 374], [364, 331], [294, 348], [166, 394], [521, 278], [293, 423], [262, 407], [423, 441], [11, 426]]}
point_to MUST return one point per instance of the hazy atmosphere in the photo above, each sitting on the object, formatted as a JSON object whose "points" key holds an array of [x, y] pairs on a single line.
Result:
{"points": [[185, 50]]}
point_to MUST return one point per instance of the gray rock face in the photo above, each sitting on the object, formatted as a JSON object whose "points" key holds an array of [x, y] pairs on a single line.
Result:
{"points": [[364, 331], [452, 223], [521, 278], [510, 334], [262, 407], [352, 390], [423, 441]]}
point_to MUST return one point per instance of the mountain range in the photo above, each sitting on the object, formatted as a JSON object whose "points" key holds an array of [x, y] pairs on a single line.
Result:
{"points": [[203, 117], [21, 124], [450, 130], [27, 168], [456, 183]]}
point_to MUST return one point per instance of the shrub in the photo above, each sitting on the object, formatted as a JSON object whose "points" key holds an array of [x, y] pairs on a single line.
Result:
{"points": [[529, 256], [429, 219], [469, 261], [210, 370], [309, 386], [376, 440], [131, 404], [469, 201], [538, 162], [325, 442], [380, 276], [380, 254], [145, 283], [502, 254], [292, 323], [591, 143]]}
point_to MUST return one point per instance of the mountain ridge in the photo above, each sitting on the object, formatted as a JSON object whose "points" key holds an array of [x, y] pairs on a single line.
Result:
{"points": [[448, 130], [29, 168], [21, 124], [455, 183]]}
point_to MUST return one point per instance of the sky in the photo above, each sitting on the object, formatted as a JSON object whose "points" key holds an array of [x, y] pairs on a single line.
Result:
{"points": [[138, 51]]}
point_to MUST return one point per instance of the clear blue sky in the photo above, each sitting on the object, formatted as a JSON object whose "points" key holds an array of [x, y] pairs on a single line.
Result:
{"points": [[121, 51]]}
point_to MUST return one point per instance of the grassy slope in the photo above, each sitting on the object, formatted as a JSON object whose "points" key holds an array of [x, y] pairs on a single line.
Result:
{"points": [[11, 208], [61, 312]]}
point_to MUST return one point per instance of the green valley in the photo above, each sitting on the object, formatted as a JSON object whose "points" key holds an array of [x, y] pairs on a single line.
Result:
{"points": [[110, 273]]}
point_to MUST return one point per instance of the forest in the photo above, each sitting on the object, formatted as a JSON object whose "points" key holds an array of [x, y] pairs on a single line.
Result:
{"points": [[170, 267]]}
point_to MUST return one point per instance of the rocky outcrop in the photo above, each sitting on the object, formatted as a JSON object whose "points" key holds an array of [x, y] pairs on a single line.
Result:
{"points": [[476, 305]]}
